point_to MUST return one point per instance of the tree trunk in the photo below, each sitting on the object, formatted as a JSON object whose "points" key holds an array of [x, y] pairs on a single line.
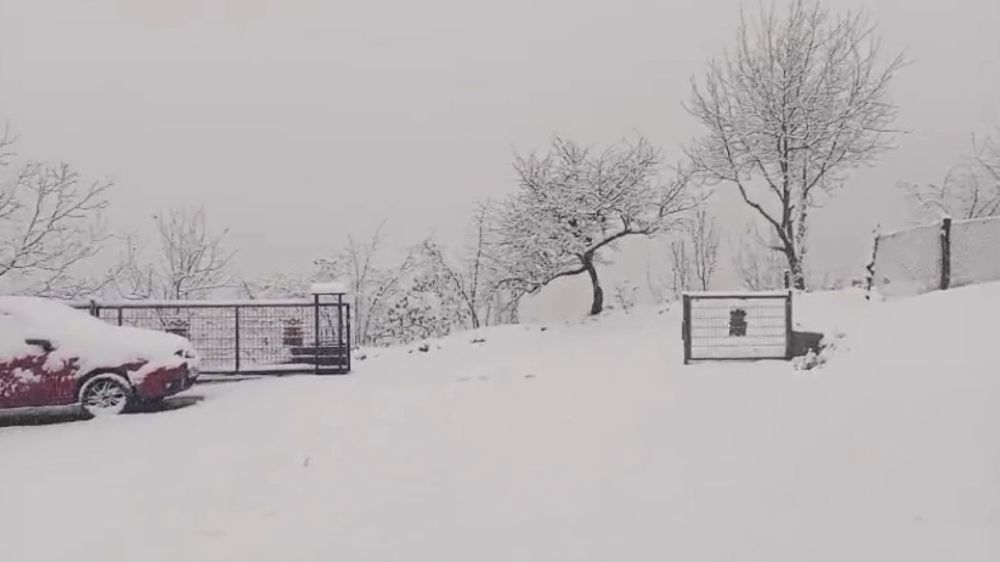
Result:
{"points": [[795, 268], [597, 306]]}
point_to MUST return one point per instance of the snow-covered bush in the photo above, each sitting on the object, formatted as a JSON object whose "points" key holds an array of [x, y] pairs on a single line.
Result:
{"points": [[811, 360], [414, 314], [470, 281], [625, 295], [818, 356]]}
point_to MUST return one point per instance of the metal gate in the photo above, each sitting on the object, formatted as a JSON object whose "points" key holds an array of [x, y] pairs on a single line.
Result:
{"points": [[750, 325], [248, 337]]}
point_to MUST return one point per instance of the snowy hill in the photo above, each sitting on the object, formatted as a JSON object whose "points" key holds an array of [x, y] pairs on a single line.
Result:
{"points": [[583, 441]]}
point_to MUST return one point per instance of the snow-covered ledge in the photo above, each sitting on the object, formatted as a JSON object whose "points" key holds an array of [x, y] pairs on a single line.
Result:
{"points": [[328, 288]]}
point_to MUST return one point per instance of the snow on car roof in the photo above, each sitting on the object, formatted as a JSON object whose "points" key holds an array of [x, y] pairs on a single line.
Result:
{"points": [[78, 335], [40, 310]]}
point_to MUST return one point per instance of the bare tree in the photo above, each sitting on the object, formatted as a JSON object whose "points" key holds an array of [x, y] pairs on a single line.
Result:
{"points": [[970, 190], [625, 295], [471, 280], [189, 262], [574, 203], [655, 285], [279, 285], [680, 266], [50, 222], [373, 287], [799, 101], [755, 261], [694, 252], [704, 236]]}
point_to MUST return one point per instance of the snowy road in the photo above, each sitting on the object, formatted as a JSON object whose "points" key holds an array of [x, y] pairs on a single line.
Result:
{"points": [[588, 442]]}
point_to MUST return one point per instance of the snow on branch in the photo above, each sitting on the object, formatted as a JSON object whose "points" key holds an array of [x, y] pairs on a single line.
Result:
{"points": [[801, 99], [470, 282], [970, 189], [188, 261], [575, 202]]}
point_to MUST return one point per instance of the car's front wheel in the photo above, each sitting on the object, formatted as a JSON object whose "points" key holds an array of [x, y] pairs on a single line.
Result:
{"points": [[105, 395]]}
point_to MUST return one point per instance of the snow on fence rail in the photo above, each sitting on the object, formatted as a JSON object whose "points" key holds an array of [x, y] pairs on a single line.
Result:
{"points": [[252, 336], [937, 256]]}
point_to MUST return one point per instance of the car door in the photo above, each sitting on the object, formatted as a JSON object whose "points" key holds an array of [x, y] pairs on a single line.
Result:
{"points": [[15, 355], [25, 379]]}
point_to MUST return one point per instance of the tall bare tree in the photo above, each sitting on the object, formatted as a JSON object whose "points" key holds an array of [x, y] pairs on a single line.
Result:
{"points": [[704, 237], [373, 286], [189, 261], [971, 188], [50, 223], [575, 202], [470, 279], [800, 100], [694, 251], [680, 266]]}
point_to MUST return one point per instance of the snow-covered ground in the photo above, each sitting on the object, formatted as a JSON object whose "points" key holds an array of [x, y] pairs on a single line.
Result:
{"points": [[587, 441]]}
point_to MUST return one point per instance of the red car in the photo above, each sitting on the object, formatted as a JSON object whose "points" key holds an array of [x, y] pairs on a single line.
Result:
{"points": [[54, 355]]}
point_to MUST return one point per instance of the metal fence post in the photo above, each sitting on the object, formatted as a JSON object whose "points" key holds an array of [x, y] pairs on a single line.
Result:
{"points": [[316, 333], [945, 252], [686, 329], [341, 352], [236, 316], [788, 326], [347, 343]]}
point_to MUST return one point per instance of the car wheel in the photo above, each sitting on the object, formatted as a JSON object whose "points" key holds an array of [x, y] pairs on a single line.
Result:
{"points": [[105, 395]]}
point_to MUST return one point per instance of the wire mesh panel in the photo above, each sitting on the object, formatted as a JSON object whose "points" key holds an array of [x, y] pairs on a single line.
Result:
{"points": [[209, 328], [270, 336], [248, 336], [737, 325], [937, 256], [908, 262], [975, 251]]}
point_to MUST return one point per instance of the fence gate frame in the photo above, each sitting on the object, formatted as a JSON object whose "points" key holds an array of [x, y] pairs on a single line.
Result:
{"points": [[687, 326], [321, 350]]}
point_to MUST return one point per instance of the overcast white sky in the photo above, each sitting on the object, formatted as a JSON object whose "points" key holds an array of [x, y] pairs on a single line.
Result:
{"points": [[295, 122]]}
